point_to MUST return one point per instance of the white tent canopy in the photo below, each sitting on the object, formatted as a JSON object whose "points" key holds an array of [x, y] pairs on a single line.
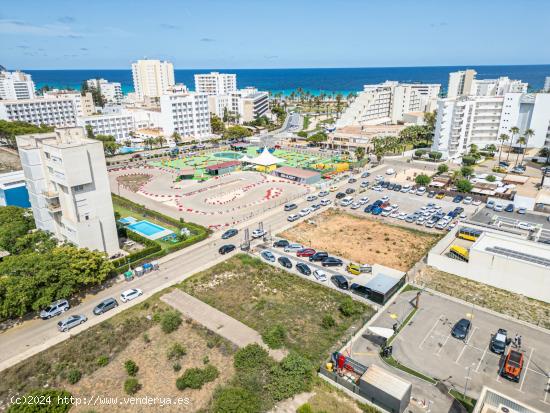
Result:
{"points": [[264, 159], [381, 331]]}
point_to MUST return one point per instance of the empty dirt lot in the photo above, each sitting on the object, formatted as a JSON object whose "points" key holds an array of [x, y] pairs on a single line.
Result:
{"points": [[363, 240]]}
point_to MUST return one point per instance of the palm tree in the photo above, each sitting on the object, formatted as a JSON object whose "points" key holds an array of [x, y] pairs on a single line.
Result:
{"points": [[360, 153], [521, 141], [338, 105], [176, 137], [514, 130], [527, 134], [161, 140], [502, 138]]}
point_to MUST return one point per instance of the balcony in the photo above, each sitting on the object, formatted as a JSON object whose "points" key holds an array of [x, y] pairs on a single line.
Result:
{"points": [[50, 194], [54, 207]]}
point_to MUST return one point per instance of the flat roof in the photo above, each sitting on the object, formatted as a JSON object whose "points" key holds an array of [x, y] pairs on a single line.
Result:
{"points": [[298, 172], [382, 283], [529, 252], [222, 165], [386, 381]]}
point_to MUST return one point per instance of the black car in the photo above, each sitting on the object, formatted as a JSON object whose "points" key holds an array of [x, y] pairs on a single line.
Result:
{"points": [[340, 195], [391, 186], [509, 208], [350, 191], [290, 207], [318, 256], [105, 305], [461, 329], [398, 187], [385, 184], [458, 199], [224, 249], [332, 262], [499, 341], [459, 210], [285, 262], [303, 268], [230, 233], [281, 243], [352, 181], [340, 281]]}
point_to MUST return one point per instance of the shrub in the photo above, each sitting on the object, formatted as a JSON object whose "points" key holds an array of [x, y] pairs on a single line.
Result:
{"points": [[131, 385], [251, 357], [349, 308], [56, 402], [491, 178], [292, 376], [170, 321], [146, 338], [435, 155], [74, 376], [468, 160], [328, 322], [236, 399], [423, 179], [176, 366], [463, 185], [176, 351], [195, 378], [305, 408], [275, 336], [466, 171], [442, 168], [102, 361], [131, 367], [206, 360]]}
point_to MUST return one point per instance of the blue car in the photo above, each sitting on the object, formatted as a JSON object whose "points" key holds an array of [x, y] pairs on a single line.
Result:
{"points": [[458, 199], [378, 203], [509, 208], [376, 210], [368, 208]]}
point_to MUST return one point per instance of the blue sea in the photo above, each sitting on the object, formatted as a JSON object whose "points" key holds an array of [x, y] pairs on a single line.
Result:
{"points": [[342, 80]]}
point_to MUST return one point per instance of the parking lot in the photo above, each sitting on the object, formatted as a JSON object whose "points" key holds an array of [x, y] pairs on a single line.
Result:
{"points": [[426, 345]]}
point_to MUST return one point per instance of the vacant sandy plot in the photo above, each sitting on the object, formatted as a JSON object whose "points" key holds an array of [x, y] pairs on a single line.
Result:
{"points": [[363, 240], [133, 182]]}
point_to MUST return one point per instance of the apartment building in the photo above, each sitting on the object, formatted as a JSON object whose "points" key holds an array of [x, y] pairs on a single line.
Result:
{"points": [[16, 86], [111, 91], [386, 103], [546, 87], [152, 78], [246, 104], [69, 192], [465, 83], [460, 83], [215, 83], [84, 103], [60, 111], [185, 113]]}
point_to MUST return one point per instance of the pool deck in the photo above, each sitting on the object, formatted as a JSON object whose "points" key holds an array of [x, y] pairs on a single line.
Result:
{"points": [[161, 233]]}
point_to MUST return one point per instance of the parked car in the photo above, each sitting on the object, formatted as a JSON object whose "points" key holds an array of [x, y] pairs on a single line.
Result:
{"points": [[54, 309], [421, 191], [230, 233], [509, 208], [353, 269], [325, 202], [258, 233], [318, 256], [346, 201], [340, 195], [498, 208], [457, 199], [293, 217], [468, 200], [293, 247], [320, 275], [281, 243], [365, 174], [290, 207], [340, 281], [267, 255], [461, 329], [303, 268], [314, 207], [513, 365], [521, 211], [311, 198], [376, 210], [305, 211], [525, 225], [350, 191], [323, 194], [368, 209], [499, 341], [490, 204], [224, 249], [285, 262], [305, 252], [332, 262], [105, 305], [70, 322], [440, 195], [130, 294], [352, 181], [476, 202]]}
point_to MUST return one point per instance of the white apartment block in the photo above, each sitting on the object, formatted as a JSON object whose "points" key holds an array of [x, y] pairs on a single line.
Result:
{"points": [[16, 86], [111, 91], [546, 87], [84, 104], [248, 104], [69, 192], [464, 83], [215, 83], [460, 83], [53, 111], [152, 78], [185, 113], [387, 102]]}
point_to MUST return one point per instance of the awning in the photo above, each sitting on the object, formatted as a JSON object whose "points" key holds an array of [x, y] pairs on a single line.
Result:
{"points": [[381, 331]]}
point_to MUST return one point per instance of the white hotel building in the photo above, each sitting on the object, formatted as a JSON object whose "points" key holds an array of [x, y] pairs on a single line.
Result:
{"points": [[215, 83], [152, 78], [54, 111], [16, 85], [69, 192], [185, 113], [464, 83], [248, 103], [111, 91]]}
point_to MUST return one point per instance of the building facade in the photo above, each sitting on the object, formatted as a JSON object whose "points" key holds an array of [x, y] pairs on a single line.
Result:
{"points": [[215, 83], [464, 83], [54, 111], [185, 113], [13, 191], [69, 192], [16, 85], [546, 87], [152, 78], [111, 91]]}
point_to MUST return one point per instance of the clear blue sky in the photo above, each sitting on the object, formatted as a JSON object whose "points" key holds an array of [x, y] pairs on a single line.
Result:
{"points": [[263, 33]]}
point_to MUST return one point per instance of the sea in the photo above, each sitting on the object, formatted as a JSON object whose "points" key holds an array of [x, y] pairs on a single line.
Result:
{"points": [[314, 80]]}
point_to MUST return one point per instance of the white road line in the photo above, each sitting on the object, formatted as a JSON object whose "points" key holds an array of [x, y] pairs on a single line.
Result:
{"points": [[547, 390], [526, 370], [481, 359], [443, 345], [465, 345], [430, 331]]}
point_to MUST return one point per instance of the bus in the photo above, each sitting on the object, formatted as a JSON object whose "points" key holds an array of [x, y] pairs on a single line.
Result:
{"points": [[459, 253], [468, 233]]}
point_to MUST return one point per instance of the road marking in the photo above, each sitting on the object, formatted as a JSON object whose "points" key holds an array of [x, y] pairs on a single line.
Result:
{"points": [[526, 370], [443, 345], [465, 345], [430, 331], [482, 357], [547, 390]]}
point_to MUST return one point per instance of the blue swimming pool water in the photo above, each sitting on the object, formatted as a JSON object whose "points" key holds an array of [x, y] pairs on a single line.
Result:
{"points": [[128, 149], [146, 228], [228, 155]]}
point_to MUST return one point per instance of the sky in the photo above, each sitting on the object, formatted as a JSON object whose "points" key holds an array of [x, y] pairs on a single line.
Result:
{"points": [[228, 34]]}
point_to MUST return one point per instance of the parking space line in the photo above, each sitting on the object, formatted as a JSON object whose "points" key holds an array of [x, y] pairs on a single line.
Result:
{"points": [[465, 345], [443, 345], [430, 331], [547, 390], [526, 370], [481, 359]]}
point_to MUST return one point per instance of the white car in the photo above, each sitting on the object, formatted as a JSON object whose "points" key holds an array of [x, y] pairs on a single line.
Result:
{"points": [[320, 275], [355, 205], [402, 216], [525, 225], [130, 294], [390, 171], [325, 202], [394, 214], [385, 198], [364, 200], [386, 212], [394, 207], [311, 198], [293, 247], [258, 233], [323, 193], [347, 201], [476, 202], [364, 184], [468, 200], [377, 188], [406, 188], [442, 224], [293, 217], [304, 212], [379, 178], [498, 208], [421, 191]]}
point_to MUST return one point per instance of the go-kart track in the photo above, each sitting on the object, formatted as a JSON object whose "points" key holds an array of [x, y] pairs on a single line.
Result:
{"points": [[217, 203]]}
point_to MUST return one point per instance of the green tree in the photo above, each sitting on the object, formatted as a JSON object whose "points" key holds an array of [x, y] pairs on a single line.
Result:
{"points": [[317, 138], [236, 400], [110, 145], [274, 336], [423, 180], [237, 132], [15, 222], [131, 367], [170, 321], [176, 137], [503, 138], [9, 130], [360, 153], [521, 142], [463, 185], [251, 357], [292, 376], [430, 118], [443, 168], [527, 135], [434, 155], [90, 132], [218, 127], [514, 130], [131, 386], [466, 171], [468, 160], [491, 178]]}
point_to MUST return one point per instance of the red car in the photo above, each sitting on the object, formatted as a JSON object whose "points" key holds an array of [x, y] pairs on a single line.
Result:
{"points": [[306, 252]]}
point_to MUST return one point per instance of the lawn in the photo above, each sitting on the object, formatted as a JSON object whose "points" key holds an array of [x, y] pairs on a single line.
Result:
{"points": [[363, 240], [262, 296]]}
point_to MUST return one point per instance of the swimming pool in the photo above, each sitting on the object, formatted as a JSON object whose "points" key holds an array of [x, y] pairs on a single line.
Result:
{"points": [[228, 155], [150, 230]]}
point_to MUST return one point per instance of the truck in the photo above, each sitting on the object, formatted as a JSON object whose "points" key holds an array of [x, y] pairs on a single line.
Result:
{"points": [[513, 364]]}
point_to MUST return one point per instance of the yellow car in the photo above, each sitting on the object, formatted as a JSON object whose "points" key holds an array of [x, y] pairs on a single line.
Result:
{"points": [[353, 269], [440, 195], [333, 188]]}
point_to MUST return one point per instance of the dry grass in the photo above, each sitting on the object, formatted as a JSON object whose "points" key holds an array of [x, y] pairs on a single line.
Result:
{"points": [[133, 182], [502, 301], [363, 240]]}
